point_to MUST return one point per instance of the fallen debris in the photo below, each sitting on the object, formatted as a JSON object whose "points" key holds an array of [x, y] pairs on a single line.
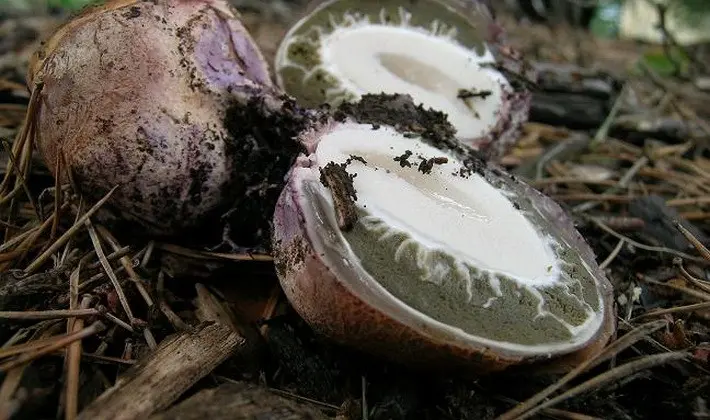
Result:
{"points": [[239, 401], [157, 381]]}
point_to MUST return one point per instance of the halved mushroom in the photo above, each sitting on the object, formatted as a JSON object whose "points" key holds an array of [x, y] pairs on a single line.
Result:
{"points": [[446, 56], [396, 240]]}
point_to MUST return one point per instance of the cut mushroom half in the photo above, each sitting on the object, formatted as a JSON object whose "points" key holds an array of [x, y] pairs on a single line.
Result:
{"points": [[443, 55], [395, 242]]}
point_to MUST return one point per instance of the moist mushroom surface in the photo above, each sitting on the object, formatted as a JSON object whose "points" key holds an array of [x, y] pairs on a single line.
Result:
{"points": [[434, 242], [433, 50], [135, 95]]}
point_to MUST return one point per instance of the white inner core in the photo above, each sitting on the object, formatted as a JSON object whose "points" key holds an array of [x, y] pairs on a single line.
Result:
{"points": [[432, 69], [465, 217]]}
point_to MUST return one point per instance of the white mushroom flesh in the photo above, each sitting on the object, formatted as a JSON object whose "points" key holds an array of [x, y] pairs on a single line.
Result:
{"points": [[462, 236], [367, 56]]}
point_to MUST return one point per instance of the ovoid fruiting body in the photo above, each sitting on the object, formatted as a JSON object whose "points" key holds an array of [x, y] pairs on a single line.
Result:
{"points": [[135, 95]]}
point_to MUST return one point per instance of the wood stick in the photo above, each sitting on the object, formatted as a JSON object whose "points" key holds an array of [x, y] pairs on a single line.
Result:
{"points": [[50, 314], [155, 382]]}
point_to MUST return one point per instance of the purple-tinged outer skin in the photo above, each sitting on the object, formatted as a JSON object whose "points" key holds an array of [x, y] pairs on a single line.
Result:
{"points": [[331, 307], [134, 95], [506, 133]]}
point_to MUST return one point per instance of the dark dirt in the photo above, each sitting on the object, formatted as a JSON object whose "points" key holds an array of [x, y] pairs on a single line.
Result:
{"points": [[400, 112], [353, 158], [265, 153], [336, 178], [473, 93], [426, 165], [404, 159]]}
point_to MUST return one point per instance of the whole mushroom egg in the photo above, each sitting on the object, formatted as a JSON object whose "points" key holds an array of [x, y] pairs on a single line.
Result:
{"points": [[135, 94]]}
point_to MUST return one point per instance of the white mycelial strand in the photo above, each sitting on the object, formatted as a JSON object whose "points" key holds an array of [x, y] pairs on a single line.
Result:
{"points": [[405, 200], [430, 65]]}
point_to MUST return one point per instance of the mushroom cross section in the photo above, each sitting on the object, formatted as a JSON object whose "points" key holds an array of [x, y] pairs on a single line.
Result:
{"points": [[438, 247], [430, 50]]}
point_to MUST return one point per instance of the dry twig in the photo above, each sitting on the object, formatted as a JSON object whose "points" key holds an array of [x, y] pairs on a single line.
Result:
{"points": [[94, 328], [154, 383], [605, 354]]}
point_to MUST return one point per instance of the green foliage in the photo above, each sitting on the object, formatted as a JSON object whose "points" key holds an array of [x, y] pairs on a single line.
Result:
{"points": [[667, 63]]}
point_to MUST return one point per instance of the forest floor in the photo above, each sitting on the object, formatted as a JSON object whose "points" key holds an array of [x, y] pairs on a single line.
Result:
{"points": [[94, 321]]}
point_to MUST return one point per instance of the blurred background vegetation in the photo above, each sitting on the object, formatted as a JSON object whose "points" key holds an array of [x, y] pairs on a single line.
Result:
{"points": [[685, 22], [600, 15]]}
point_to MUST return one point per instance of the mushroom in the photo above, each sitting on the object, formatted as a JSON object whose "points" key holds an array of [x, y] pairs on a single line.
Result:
{"points": [[389, 235], [395, 239], [162, 99], [446, 54]]}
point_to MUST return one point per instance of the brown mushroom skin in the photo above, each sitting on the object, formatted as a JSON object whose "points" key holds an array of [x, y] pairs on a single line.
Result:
{"points": [[332, 310], [134, 95]]}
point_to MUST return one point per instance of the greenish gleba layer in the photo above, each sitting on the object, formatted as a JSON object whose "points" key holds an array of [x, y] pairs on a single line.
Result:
{"points": [[303, 52], [512, 317]]}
